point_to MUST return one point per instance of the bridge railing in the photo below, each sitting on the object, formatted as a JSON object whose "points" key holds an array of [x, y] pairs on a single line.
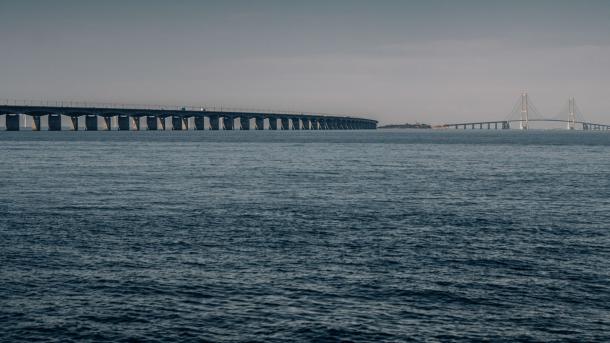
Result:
{"points": [[214, 108]]}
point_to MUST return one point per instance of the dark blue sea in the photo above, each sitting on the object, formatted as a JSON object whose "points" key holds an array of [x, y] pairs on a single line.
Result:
{"points": [[366, 236]]}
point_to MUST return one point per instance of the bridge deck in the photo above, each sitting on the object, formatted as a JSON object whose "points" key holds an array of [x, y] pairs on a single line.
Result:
{"points": [[218, 119]]}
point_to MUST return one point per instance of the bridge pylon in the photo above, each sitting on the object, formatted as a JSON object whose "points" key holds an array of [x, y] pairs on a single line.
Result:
{"points": [[524, 122], [571, 114]]}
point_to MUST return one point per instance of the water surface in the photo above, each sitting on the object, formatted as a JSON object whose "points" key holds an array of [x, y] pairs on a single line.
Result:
{"points": [[305, 236]]}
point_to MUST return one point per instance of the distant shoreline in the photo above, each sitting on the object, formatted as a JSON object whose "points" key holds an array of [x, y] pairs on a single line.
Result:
{"points": [[405, 126]]}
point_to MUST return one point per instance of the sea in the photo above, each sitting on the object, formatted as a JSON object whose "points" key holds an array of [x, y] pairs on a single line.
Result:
{"points": [[305, 236]]}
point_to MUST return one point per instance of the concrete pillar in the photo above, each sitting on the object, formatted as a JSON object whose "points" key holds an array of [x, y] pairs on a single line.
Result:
{"points": [[54, 121], [152, 123], [314, 124], [123, 123], [177, 123], [214, 122], [91, 122], [185, 123], [496, 126], [244, 123], [285, 123], [272, 123], [323, 124], [162, 123], [259, 123], [200, 123], [306, 123], [296, 123], [136, 123], [35, 123], [74, 123], [12, 122], [228, 122], [107, 123]]}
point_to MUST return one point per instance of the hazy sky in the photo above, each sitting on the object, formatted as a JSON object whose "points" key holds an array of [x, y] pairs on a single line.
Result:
{"points": [[396, 61]]}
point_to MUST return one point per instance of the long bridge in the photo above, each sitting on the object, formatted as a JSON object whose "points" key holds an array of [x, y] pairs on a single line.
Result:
{"points": [[524, 112], [142, 117]]}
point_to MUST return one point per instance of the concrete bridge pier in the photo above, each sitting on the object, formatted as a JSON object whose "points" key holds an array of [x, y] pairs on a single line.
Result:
{"points": [[505, 125], [136, 123], [314, 124], [123, 123], [74, 123], [91, 122], [259, 123], [228, 123], [162, 123], [177, 123], [35, 123], [296, 123], [244, 123], [272, 123], [285, 123], [214, 123], [152, 123], [12, 122], [54, 121], [323, 124], [107, 123], [199, 123], [306, 124]]}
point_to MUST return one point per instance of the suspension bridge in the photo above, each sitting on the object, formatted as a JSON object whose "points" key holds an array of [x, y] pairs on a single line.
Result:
{"points": [[525, 112]]}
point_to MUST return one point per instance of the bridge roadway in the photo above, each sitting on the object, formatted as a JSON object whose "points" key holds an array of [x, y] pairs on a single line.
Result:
{"points": [[505, 124], [179, 119]]}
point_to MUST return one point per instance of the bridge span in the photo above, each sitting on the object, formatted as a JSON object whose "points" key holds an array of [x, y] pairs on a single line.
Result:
{"points": [[506, 124], [125, 118], [525, 112]]}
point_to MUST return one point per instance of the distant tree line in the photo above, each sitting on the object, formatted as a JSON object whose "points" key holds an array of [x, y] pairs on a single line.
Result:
{"points": [[406, 126]]}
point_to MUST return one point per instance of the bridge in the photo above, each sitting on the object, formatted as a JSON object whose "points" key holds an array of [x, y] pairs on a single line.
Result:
{"points": [[524, 112], [143, 117]]}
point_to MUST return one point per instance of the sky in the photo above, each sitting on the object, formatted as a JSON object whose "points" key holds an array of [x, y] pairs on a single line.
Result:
{"points": [[394, 61]]}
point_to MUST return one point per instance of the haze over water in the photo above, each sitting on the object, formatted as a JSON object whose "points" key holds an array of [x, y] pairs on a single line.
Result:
{"points": [[305, 236]]}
